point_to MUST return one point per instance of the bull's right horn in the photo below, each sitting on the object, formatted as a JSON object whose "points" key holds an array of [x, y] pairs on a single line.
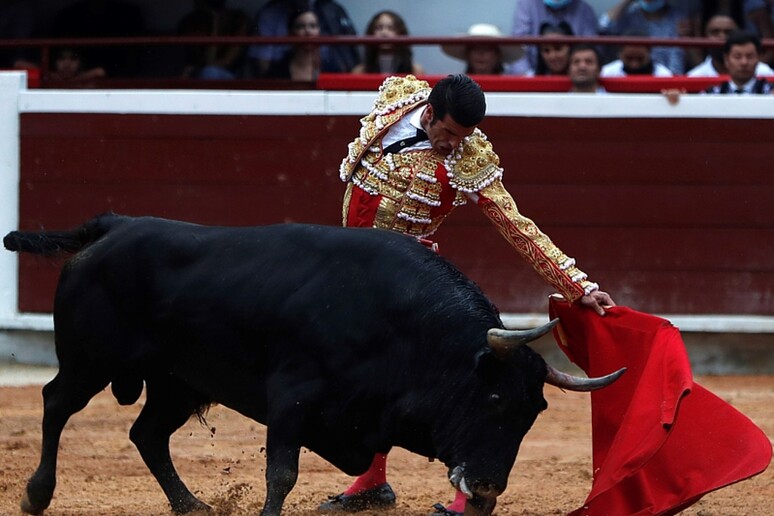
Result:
{"points": [[576, 383], [503, 341]]}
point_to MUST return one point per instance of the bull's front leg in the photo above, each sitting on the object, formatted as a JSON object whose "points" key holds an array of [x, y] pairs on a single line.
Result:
{"points": [[479, 506], [282, 451]]}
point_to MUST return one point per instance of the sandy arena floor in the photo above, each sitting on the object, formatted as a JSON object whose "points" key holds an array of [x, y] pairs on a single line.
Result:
{"points": [[101, 473]]}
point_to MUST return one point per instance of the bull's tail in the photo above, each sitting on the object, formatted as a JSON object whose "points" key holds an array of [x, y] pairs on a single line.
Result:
{"points": [[52, 243]]}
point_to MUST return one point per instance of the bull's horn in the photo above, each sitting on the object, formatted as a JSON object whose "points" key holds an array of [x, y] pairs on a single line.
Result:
{"points": [[502, 341], [577, 383]]}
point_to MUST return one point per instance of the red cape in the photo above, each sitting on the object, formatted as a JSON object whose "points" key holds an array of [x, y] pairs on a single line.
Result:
{"points": [[660, 440]]}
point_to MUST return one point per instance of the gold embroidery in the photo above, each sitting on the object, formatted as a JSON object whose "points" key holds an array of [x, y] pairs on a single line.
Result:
{"points": [[397, 96], [345, 204], [523, 234], [408, 187], [475, 165]]}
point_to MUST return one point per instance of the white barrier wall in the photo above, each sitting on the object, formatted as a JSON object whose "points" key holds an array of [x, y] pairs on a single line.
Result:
{"points": [[11, 85]]}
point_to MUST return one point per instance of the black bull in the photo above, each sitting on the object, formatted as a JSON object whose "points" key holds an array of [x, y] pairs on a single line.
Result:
{"points": [[345, 341]]}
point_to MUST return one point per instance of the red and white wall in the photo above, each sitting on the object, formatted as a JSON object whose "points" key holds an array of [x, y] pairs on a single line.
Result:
{"points": [[667, 207]]}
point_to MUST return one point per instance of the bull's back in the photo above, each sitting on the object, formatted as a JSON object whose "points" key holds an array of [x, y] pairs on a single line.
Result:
{"points": [[258, 294]]}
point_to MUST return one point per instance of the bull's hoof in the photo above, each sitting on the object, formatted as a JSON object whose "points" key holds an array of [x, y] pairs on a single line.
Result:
{"points": [[379, 497], [30, 507], [440, 510], [37, 496], [194, 505]]}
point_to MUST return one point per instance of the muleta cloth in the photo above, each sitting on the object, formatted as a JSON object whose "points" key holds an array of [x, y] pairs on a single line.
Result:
{"points": [[508, 53], [660, 440]]}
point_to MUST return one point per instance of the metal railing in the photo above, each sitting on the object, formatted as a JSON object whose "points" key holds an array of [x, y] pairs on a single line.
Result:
{"points": [[46, 45]]}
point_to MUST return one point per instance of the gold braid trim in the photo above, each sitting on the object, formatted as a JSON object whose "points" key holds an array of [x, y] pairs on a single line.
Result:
{"points": [[523, 234], [474, 165], [397, 96]]}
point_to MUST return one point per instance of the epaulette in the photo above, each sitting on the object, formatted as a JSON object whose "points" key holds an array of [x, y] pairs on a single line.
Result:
{"points": [[396, 92], [474, 165]]}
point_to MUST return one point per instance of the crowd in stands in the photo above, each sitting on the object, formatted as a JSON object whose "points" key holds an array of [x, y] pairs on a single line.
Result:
{"points": [[714, 19]]}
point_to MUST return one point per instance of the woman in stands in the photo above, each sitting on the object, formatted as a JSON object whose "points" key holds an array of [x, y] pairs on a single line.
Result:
{"points": [[554, 58], [388, 58], [483, 58], [302, 62]]}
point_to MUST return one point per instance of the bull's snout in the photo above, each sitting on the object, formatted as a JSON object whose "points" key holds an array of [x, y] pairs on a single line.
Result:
{"points": [[474, 488], [485, 489]]}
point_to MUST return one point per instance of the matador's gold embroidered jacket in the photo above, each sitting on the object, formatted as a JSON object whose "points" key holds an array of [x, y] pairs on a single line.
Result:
{"points": [[413, 192]]}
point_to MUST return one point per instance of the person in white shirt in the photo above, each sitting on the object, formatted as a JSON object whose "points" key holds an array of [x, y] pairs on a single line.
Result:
{"points": [[635, 60], [584, 70], [741, 54], [718, 28]]}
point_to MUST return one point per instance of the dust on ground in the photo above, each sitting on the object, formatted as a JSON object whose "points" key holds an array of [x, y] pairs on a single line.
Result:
{"points": [[100, 471]]}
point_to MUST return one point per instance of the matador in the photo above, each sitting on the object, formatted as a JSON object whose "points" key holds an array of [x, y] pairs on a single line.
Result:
{"points": [[418, 156]]}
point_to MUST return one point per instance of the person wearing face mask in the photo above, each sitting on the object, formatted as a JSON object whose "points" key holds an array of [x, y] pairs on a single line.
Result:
{"points": [[719, 27], [530, 15], [655, 18]]}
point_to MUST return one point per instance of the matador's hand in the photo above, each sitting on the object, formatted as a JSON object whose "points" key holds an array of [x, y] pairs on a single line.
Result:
{"points": [[598, 301]]}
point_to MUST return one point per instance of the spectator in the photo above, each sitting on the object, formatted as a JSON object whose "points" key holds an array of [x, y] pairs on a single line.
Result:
{"points": [[67, 66], [212, 18], [272, 20], [17, 20], [585, 69], [301, 62], [657, 19], [553, 58], [100, 19], [750, 15], [635, 60], [388, 58], [530, 15], [483, 58], [741, 55], [719, 27]]}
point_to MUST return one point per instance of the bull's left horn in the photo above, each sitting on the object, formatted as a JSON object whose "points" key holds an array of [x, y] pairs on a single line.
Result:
{"points": [[580, 384], [502, 341]]}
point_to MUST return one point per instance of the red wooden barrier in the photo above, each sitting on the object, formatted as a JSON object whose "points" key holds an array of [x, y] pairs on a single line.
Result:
{"points": [[670, 215]]}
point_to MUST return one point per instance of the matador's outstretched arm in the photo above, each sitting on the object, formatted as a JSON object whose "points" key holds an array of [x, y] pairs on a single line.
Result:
{"points": [[549, 261]]}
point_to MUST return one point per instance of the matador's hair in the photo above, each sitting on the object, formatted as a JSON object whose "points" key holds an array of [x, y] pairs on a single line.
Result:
{"points": [[459, 96]]}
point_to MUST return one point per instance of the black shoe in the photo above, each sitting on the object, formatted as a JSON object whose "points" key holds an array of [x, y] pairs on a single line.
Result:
{"points": [[440, 510], [381, 496]]}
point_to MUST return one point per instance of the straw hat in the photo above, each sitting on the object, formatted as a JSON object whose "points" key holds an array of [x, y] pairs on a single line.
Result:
{"points": [[509, 53]]}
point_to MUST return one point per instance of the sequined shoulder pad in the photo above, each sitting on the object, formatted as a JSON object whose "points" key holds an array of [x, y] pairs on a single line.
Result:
{"points": [[396, 92], [474, 165]]}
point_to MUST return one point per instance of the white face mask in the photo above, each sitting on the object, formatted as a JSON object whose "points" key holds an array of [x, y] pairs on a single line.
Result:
{"points": [[557, 4], [653, 6]]}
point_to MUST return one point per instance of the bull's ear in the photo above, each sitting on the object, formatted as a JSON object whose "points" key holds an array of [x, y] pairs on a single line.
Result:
{"points": [[486, 362]]}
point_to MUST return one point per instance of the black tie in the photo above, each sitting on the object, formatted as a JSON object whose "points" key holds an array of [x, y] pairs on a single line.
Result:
{"points": [[739, 91], [407, 142]]}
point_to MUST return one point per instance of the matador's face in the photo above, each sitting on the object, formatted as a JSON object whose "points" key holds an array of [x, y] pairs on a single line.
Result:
{"points": [[444, 134]]}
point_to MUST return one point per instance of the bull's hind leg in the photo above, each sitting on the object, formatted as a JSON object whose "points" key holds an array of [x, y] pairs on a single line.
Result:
{"points": [[66, 394], [281, 466], [168, 406]]}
